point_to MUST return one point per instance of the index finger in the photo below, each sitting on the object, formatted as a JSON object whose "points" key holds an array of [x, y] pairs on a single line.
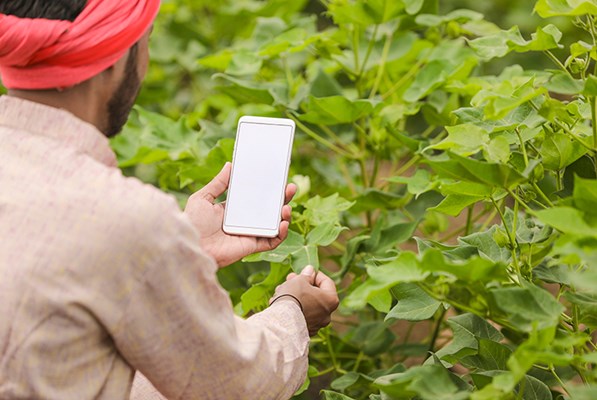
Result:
{"points": [[325, 283]]}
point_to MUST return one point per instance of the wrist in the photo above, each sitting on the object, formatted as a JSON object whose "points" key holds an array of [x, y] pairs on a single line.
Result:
{"points": [[286, 297]]}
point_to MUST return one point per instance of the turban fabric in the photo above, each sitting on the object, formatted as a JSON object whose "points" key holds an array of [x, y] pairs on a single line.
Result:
{"points": [[46, 54]]}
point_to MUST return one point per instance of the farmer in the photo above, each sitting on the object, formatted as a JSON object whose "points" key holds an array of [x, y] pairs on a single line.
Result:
{"points": [[100, 275]]}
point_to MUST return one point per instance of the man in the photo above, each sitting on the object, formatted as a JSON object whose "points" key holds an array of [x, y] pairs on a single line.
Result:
{"points": [[101, 275]]}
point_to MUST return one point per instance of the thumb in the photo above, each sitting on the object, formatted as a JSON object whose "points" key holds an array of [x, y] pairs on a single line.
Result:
{"points": [[218, 185], [309, 273]]}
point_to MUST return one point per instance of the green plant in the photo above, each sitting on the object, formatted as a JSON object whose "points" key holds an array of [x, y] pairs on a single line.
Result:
{"points": [[400, 134]]}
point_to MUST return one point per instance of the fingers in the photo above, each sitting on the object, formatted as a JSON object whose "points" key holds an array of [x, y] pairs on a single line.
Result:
{"points": [[290, 192], [291, 276], [283, 232], [325, 283], [287, 213], [218, 185], [309, 273]]}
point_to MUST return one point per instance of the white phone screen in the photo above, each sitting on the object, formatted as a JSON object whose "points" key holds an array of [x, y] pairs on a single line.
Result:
{"points": [[259, 175]]}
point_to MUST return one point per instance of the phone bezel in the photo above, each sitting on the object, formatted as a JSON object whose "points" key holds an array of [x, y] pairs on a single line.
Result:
{"points": [[260, 232]]}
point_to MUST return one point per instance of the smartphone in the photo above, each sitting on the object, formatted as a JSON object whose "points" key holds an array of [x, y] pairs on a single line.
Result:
{"points": [[259, 173]]}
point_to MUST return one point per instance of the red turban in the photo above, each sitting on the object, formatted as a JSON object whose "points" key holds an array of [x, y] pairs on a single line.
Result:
{"points": [[46, 54]]}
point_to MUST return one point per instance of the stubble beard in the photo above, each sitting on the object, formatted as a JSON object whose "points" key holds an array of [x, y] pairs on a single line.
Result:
{"points": [[123, 100]]}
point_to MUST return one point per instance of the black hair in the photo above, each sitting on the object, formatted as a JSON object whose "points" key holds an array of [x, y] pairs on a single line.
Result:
{"points": [[67, 10]]}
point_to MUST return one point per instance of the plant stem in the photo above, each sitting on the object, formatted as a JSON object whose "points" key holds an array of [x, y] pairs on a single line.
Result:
{"points": [[457, 231], [355, 47], [358, 361], [331, 349], [593, 104], [348, 178], [574, 136], [555, 375], [361, 70], [375, 171], [522, 147], [510, 236], [488, 220], [542, 194], [469, 222], [557, 62], [518, 200], [405, 78], [325, 371], [319, 139], [438, 325], [382, 66], [289, 77]]}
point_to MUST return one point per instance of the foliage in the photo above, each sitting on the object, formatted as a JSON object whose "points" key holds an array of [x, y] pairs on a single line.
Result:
{"points": [[402, 134]]}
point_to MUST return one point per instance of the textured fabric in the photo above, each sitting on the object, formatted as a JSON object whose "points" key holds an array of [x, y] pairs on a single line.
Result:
{"points": [[102, 276], [46, 54]]}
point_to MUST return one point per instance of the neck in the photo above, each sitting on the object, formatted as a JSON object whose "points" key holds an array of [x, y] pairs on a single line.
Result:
{"points": [[78, 100]]}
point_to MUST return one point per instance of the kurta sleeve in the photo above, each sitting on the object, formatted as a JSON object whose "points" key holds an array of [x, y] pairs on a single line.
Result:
{"points": [[179, 330]]}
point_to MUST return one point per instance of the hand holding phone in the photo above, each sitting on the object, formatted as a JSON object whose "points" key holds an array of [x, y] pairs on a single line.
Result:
{"points": [[257, 186]]}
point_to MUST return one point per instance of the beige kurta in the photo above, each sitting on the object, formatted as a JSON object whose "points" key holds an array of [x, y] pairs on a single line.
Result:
{"points": [[102, 275]]}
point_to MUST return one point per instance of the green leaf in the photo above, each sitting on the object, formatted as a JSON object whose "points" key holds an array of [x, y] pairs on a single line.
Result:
{"points": [[585, 195], [320, 210], [421, 182], [219, 61], [430, 77], [350, 379], [559, 151], [413, 6], [209, 166], [251, 92], [587, 306], [335, 110], [429, 382], [466, 140], [372, 337], [244, 62], [467, 329], [492, 174], [405, 268], [324, 85], [522, 116], [293, 243], [257, 297], [500, 44], [390, 237], [324, 234], [527, 308], [365, 13], [563, 83], [486, 245], [306, 255], [497, 150], [534, 389], [414, 304], [381, 301], [453, 204], [474, 269], [552, 8], [590, 88], [568, 220], [490, 356], [154, 138], [583, 392], [329, 395], [373, 199]]}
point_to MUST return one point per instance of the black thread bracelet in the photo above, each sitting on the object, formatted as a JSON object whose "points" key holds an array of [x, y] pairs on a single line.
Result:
{"points": [[287, 295]]}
